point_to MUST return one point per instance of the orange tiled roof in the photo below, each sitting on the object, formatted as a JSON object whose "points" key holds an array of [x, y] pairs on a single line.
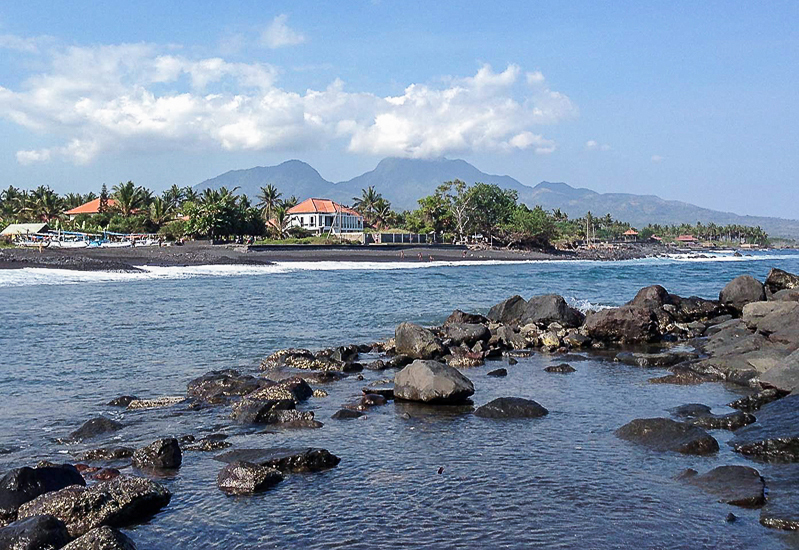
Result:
{"points": [[686, 238], [631, 232], [91, 207], [322, 206]]}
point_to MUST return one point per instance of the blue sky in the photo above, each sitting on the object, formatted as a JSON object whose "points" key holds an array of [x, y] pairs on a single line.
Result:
{"points": [[695, 101]]}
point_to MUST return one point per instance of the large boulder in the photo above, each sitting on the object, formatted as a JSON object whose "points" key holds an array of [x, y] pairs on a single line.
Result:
{"points": [[294, 388], [218, 386], [778, 280], [465, 333], [736, 485], [161, 454], [459, 316], [246, 478], [651, 297], [664, 434], [22, 485], [34, 533], [551, 308], [102, 538], [417, 342], [508, 311], [766, 313], [783, 376], [775, 435], [741, 291], [511, 407], [432, 382], [284, 459], [257, 411], [626, 324], [124, 500], [95, 427]]}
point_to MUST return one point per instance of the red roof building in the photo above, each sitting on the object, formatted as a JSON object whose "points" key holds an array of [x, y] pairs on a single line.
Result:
{"points": [[91, 208], [324, 215], [686, 239]]}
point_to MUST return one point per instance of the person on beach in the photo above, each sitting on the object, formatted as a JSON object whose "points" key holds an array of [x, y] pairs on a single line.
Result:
{"points": [[420, 257], [402, 254]]}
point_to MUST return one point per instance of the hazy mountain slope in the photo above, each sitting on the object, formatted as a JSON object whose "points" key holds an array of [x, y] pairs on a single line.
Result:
{"points": [[292, 177]]}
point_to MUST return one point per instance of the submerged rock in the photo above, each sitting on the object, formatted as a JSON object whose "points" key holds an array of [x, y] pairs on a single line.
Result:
{"points": [[347, 414], [246, 478], [700, 415], [95, 427], [102, 538], [682, 376], [22, 485], [664, 434], [511, 407], [736, 485], [42, 532], [417, 342], [775, 435], [662, 359], [498, 372], [122, 401], [562, 368], [122, 501], [284, 459], [161, 454], [431, 381]]}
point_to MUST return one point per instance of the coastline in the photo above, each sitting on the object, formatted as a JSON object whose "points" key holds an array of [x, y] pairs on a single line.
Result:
{"points": [[197, 254]]}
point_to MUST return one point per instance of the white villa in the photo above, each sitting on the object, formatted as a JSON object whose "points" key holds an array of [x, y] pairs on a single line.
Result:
{"points": [[324, 216]]}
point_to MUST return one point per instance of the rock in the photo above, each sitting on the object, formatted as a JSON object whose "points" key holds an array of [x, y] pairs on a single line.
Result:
{"points": [[433, 382], [158, 403], [682, 376], [508, 311], [551, 308], [372, 400], [775, 435], [295, 389], [293, 419], [105, 474], [782, 506], [757, 312], [284, 459], [218, 386], [465, 333], [246, 478], [102, 538], [690, 410], [784, 376], [376, 365], [778, 280], [160, 454], [700, 415], [741, 291], [626, 324], [791, 295], [736, 485], [563, 367], [459, 316], [651, 297], [122, 401], [255, 411], [465, 360], [106, 453], [549, 339], [94, 427], [22, 485], [35, 533], [576, 340], [399, 361], [498, 372], [319, 393], [388, 393], [731, 518], [417, 342], [511, 407], [752, 403], [662, 359], [664, 434], [347, 414], [212, 442], [125, 500], [512, 339]]}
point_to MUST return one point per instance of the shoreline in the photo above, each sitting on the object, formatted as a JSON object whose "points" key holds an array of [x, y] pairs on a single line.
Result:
{"points": [[200, 254]]}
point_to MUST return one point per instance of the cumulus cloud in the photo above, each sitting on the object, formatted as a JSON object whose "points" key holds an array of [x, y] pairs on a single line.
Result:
{"points": [[594, 145], [278, 34], [20, 44], [127, 97]]}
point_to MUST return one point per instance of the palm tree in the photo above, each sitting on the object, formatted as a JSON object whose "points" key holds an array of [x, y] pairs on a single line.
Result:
{"points": [[366, 203], [128, 198], [160, 211], [290, 202], [173, 196], [280, 222], [269, 200]]}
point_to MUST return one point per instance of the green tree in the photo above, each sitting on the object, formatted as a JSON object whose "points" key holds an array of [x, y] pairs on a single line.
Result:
{"points": [[269, 200], [129, 198]]}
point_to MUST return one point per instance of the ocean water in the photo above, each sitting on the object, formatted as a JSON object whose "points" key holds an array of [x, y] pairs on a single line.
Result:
{"points": [[70, 341]]}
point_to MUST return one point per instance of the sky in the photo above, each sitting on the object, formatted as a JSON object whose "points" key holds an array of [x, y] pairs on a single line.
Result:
{"points": [[694, 101]]}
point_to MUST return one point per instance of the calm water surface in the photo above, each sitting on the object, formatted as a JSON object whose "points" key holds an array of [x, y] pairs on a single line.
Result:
{"points": [[70, 342]]}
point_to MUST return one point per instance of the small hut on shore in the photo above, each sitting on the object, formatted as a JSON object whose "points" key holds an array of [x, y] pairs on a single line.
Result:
{"points": [[631, 235]]}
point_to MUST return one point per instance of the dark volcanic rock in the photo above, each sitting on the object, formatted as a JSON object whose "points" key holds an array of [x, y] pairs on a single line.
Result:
{"points": [[122, 401], [563, 367], [246, 478], [784, 377], [106, 453], [508, 311], [498, 372], [431, 381], [347, 414], [626, 324], [791, 295], [218, 386], [295, 389], [663, 434], [465, 333], [551, 308], [782, 507], [255, 411], [651, 297], [682, 376], [284, 459], [417, 342], [212, 442], [388, 393], [754, 402], [160, 454], [775, 435], [511, 407], [459, 316], [122, 501], [741, 291], [736, 485], [662, 359], [94, 427], [22, 485], [102, 538], [34, 533], [700, 415], [778, 280]]}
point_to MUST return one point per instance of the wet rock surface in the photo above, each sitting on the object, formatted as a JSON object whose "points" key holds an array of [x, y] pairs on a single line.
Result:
{"points": [[163, 454], [94, 428], [498, 372], [102, 538], [782, 507], [247, 478], [562, 368], [754, 402], [256, 411], [284, 459], [22, 485], [347, 414], [701, 415], [664, 434], [431, 381], [511, 407], [34, 533], [775, 435], [217, 386], [736, 485]]}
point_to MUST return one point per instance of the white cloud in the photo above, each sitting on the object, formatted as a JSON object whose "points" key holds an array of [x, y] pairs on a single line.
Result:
{"points": [[594, 145], [20, 44], [657, 158], [278, 34], [138, 97]]}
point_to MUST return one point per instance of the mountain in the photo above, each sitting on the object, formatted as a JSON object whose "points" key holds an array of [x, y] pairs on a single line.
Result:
{"points": [[404, 181]]}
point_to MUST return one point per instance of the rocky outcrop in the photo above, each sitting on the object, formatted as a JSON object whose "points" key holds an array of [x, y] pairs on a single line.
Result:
{"points": [[626, 324], [218, 386], [465, 333], [295, 389], [284, 459], [664, 434], [432, 382], [34, 533], [22, 485], [511, 407], [459, 316], [163, 454], [775, 435], [246, 478], [256, 411], [736, 485], [551, 308], [417, 342], [95, 427], [783, 377], [778, 280], [508, 311], [102, 538], [741, 291], [125, 500], [498, 372]]}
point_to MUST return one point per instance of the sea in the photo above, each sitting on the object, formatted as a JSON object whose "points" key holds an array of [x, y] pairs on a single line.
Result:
{"points": [[409, 476]]}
